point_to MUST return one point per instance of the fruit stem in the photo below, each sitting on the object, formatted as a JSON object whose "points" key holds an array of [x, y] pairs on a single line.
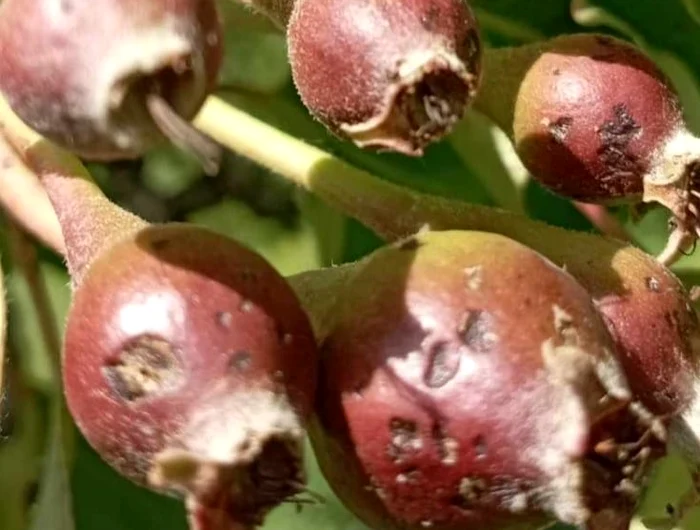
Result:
{"points": [[181, 133], [89, 221], [26, 201]]}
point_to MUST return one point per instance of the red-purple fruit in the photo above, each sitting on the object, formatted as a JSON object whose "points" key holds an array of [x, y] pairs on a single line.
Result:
{"points": [[389, 75], [467, 382], [108, 79], [190, 367], [594, 119]]}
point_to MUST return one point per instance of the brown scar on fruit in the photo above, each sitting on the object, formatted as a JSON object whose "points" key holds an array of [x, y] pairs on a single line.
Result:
{"points": [[147, 366]]}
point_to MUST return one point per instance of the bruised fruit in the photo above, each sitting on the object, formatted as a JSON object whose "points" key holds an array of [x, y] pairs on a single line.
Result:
{"points": [[467, 382], [595, 120], [109, 79], [190, 367], [388, 75]]}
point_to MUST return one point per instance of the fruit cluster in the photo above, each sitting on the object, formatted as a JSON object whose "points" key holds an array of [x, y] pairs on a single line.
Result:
{"points": [[480, 370]]}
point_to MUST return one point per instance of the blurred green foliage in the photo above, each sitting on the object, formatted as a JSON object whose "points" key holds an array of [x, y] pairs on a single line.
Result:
{"points": [[296, 232]]}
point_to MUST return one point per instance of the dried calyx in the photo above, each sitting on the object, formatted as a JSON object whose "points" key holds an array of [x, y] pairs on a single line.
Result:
{"points": [[124, 76], [450, 399], [594, 119]]}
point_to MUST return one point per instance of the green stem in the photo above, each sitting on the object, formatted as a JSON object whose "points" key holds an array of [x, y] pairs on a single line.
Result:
{"points": [[89, 221], [394, 211]]}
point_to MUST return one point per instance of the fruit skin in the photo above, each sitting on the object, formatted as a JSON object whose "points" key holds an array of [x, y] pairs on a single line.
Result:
{"points": [[466, 382], [78, 72], [389, 75], [590, 117], [184, 352]]}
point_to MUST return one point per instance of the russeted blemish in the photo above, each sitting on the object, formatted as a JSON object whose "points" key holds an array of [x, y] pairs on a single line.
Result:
{"points": [[146, 366], [224, 319], [559, 128], [241, 360], [442, 364], [447, 447], [405, 439], [475, 331], [653, 284], [474, 277], [480, 447]]}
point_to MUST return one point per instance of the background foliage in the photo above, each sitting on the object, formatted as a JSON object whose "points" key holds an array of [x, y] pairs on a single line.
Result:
{"points": [[296, 232]]}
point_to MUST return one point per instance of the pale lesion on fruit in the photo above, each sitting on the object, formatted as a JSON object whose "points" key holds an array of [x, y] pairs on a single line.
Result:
{"points": [[405, 439], [447, 447], [145, 367]]}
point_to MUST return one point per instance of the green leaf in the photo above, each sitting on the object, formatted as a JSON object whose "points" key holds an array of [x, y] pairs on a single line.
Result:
{"points": [[20, 451], [104, 500], [54, 507], [514, 21]]}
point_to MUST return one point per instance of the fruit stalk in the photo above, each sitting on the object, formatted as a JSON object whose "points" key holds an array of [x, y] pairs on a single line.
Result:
{"points": [[24, 199], [89, 222]]}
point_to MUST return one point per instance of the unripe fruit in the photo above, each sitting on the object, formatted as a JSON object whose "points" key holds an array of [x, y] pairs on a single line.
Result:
{"points": [[389, 75], [595, 120], [190, 367], [467, 382], [108, 79], [188, 362]]}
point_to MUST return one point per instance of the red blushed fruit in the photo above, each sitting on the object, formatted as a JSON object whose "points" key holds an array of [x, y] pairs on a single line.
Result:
{"points": [[108, 79], [595, 120], [190, 367], [467, 382], [389, 75]]}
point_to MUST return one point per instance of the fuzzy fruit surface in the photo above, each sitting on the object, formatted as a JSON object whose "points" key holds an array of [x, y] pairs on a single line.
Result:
{"points": [[591, 114], [391, 75], [173, 324], [77, 72], [462, 387]]}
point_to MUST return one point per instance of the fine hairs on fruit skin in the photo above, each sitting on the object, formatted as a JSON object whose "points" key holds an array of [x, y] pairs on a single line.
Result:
{"points": [[594, 119], [392, 76], [467, 382], [109, 79]]}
